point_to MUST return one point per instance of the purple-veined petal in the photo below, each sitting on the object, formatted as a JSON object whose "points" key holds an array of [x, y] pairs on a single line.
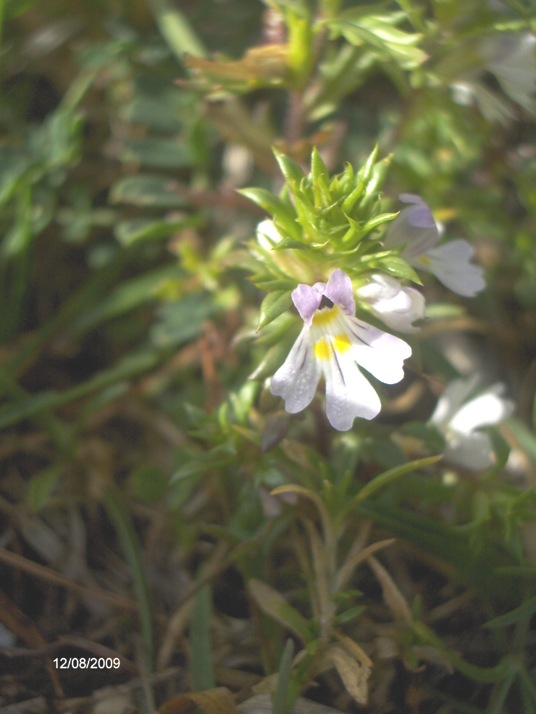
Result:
{"points": [[297, 378], [339, 290], [348, 393], [378, 352], [419, 215], [451, 265], [306, 299], [414, 228]]}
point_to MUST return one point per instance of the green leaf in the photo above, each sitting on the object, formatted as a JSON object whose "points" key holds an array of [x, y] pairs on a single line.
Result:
{"points": [[272, 358], [378, 32], [292, 243], [201, 640], [523, 612], [272, 306], [127, 296], [42, 486], [13, 164], [139, 230], [156, 104], [356, 14], [148, 483], [486, 675], [289, 168], [281, 694], [199, 463], [182, 320], [319, 171], [351, 614], [28, 407], [176, 30], [124, 527], [397, 266], [275, 605], [365, 173], [158, 153], [266, 200], [353, 197], [146, 190], [378, 221], [391, 475], [526, 439]]}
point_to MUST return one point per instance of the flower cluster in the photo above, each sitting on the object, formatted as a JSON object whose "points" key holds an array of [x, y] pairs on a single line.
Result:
{"points": [[337, 345]]}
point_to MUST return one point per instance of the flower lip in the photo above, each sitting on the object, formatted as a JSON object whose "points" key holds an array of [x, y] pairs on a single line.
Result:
{"points": [[417, 233], [340, 291], [419, 215], [337, 291], [325, 302], [397, 306]]}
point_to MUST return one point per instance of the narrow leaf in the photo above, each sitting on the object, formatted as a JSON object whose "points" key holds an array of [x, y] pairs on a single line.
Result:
{"points": [[275, 605], [524, 611]]}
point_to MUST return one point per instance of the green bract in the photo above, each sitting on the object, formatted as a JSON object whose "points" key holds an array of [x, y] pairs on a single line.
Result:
{"points": [[321, 222]]}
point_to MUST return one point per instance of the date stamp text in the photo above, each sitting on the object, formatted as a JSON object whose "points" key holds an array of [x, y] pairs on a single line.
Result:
{"points": [[87, 662]]}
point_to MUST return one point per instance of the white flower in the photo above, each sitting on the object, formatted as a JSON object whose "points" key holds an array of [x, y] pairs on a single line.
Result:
{"points": [[416, 231], [269, 240], [459, 420], [397, 306], [511, 58], [332, 343], [267, 234]]}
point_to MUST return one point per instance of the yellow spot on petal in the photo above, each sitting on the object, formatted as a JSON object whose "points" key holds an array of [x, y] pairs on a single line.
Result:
{"points": [[424, 259], [325, 316], [322, 349], [341, 342]]}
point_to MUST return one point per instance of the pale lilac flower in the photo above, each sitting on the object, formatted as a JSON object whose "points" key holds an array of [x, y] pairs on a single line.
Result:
{"points": [[416, 231], [459, 420], [397, 306], [511, 58], [332, 343]]}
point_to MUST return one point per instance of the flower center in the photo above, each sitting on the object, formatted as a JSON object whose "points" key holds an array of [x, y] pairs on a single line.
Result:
{"points": [[340, 343], [326, 313], [322, 349]]}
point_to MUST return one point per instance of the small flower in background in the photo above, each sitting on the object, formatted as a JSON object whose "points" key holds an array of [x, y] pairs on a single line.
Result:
{"points": [[397, 306], [332, 343], [511, 58], [416, 231], [267, 234], [459, 420], [291, 263]]}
